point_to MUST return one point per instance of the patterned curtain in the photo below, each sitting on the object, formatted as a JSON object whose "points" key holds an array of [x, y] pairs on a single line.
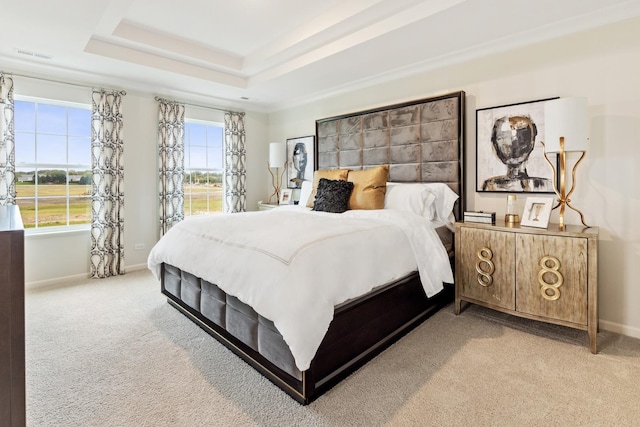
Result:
{"points": [[171, 162], [7, 143], [107, 197], [234, 167]]}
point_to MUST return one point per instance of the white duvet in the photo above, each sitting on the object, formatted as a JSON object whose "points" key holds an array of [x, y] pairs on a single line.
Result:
{"points": [[293, 265]]}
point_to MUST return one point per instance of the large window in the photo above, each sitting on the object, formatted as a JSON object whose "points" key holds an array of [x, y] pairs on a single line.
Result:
{"points": [[53, 162], [203, 167]]}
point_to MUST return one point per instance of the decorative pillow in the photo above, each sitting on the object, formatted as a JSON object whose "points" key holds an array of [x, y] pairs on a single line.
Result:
{"points": [[333, 195], [369, 187], [411, 197], [331, 174]]}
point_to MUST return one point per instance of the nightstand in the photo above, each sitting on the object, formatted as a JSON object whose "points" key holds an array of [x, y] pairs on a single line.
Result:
{"points": [[266, 206], [541, 274]]}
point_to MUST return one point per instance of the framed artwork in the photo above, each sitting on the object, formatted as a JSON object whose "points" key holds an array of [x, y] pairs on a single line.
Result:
{"points": [[509, 155], [537, 211], [300, 160], [286, 196]]}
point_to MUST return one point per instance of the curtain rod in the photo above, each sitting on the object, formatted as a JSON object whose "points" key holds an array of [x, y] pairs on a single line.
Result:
{"points": [[122, 92], [159, 98]]}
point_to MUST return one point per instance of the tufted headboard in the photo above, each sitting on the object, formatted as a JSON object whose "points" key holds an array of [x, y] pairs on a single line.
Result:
{"points": [[421, 141]]}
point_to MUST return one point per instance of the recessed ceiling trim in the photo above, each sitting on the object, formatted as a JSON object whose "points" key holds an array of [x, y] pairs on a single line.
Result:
{"points": [[339, 29], [394, 22], [132, 32], [110, 50]]}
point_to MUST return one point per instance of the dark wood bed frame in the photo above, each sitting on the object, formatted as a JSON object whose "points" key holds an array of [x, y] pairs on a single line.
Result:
{"points": [[424, 142]]}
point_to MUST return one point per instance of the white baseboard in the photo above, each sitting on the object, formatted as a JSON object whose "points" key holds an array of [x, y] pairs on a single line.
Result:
{"points": [[56, 281], [135, 267], [74, 278], [619, 329]]}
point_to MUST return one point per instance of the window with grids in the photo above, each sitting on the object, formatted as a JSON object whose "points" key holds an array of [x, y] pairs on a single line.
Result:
{"points": [[203, 146], [53, 162]]}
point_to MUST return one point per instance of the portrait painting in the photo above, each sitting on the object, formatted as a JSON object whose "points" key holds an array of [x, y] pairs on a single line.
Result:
{"points": [[300, 160], [509, 152]]}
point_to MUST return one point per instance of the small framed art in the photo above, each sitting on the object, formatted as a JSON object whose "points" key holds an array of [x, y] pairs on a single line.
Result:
{"points": [[286, 196], [300, 160], [537, 211], [509, 155]]}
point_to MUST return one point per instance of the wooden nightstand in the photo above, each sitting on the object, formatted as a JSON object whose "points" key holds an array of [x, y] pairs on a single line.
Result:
{"points": [[541, 274]]}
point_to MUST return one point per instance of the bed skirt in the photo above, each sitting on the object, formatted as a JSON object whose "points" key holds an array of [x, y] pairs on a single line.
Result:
{"points": [[361, 329]]}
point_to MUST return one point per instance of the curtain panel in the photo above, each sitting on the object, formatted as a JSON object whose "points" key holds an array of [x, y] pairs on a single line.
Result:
{"points": [[235, 172], [7, 143], [107, 197], [171, 163]]}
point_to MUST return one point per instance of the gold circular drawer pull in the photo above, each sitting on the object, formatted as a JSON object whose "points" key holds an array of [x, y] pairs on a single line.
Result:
{"points": [[550, 291], [485, 277]]}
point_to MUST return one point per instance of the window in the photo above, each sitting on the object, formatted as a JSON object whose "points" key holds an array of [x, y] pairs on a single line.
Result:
{"points": [[53, 162], [203, 167]]}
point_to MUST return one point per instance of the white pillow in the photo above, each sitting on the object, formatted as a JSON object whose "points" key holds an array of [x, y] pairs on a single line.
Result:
{"points": [[305, 192], [432, 200], [410, 197], [445, 199]]}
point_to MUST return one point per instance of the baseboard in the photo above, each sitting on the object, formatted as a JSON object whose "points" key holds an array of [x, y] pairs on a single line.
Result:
{"points": [[74, 278], [619, 328], [135, 267], [55, 281]]}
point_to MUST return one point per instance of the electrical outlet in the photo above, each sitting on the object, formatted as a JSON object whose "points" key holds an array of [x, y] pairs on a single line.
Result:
{"points": [[138, 246]]}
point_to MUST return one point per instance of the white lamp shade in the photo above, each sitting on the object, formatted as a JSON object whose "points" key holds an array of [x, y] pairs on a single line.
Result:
{"points": [[565, 117], [277, 154]]}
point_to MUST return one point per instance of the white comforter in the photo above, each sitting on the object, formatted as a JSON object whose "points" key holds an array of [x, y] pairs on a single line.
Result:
{"points": [[293, 266]]}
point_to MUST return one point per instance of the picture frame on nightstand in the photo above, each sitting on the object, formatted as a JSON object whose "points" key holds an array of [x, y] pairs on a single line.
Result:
{"points": [[537, 211], [286, 196]]}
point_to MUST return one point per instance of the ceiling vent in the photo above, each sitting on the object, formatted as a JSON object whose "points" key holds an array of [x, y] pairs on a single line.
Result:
{"points": [[33, 54]]}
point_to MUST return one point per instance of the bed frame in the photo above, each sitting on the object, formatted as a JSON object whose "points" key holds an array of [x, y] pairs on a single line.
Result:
{"points": [[422, 141]]}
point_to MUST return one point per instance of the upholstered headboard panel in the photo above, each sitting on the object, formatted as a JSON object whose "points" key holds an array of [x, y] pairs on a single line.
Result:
{"points": [[421, 141]]}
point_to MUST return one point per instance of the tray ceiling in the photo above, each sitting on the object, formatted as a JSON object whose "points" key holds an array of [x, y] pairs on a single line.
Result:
{"points": [[266, 55]]}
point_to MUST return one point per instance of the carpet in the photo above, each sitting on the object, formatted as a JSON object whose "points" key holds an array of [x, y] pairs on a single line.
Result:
{"points": [[112, 352]]}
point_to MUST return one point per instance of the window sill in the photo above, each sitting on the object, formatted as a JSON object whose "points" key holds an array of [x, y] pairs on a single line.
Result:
{"points": [[55, 231]]}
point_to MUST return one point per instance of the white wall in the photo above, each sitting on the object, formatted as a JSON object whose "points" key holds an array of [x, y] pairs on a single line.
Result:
{"points": [[602, 65], [55, 257]]}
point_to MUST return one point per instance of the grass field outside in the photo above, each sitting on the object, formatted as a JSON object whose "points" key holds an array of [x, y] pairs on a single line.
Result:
{"points": [[196, 197], [52, 203]]}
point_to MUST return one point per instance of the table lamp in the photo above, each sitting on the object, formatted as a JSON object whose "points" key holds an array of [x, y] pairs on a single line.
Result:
{"points": [[565, 130], [277, 158]]}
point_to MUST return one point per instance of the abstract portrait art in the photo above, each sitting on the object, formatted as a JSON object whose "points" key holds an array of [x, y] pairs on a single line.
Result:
{"points": [[300, 160], [509, 155]]}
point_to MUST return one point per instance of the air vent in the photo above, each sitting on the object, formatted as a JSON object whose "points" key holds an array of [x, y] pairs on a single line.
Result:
{"points": [[33, 54]]}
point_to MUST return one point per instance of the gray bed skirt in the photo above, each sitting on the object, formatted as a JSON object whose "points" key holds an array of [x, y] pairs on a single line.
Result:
{"points": [[361, 329]]}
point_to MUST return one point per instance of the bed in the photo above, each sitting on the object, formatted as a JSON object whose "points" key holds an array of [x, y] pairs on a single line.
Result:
{"points": [[256, 310]]}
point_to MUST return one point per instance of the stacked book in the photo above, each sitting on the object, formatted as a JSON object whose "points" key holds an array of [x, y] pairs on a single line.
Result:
{"points": [[480, 216]]}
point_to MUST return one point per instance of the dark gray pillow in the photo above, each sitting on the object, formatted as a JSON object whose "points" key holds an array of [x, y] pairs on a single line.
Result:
{"points": [[333, 195]]}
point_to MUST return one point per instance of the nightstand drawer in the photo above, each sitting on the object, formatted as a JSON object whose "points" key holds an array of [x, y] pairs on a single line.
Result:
{"points": [[488, 274], [552, 277]]}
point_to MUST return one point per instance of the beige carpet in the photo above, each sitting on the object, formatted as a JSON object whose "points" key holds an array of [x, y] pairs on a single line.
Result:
{"points": [[112, 352]]}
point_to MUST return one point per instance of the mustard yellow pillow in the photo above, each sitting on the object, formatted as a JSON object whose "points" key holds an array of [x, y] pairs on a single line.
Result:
{"points": [[369, 187], [332, 175]]}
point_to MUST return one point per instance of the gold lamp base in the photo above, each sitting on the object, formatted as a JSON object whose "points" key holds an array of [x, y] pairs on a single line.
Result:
{"points": [[563, 197], [276, 182]]}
